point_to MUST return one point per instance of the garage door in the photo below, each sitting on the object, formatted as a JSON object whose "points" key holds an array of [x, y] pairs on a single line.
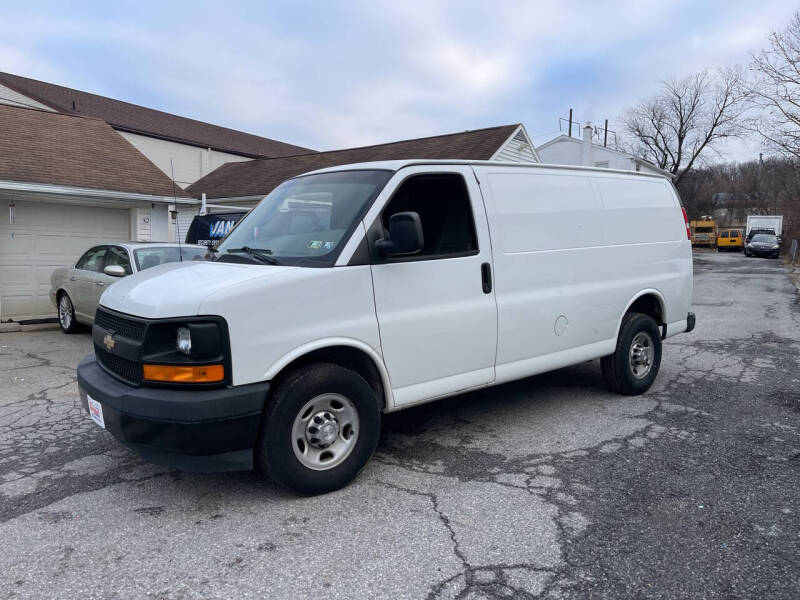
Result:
{"points": [[45, 236]]}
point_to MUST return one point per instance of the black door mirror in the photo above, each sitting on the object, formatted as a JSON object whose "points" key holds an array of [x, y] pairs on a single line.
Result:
{"points": [[405, 236]]}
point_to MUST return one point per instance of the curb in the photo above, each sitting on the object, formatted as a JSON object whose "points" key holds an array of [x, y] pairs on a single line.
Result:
{"points": [[15, 327], [39, 327]]}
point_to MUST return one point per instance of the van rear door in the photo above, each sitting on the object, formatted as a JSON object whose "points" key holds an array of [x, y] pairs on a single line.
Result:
{"points": [[436, 310]]}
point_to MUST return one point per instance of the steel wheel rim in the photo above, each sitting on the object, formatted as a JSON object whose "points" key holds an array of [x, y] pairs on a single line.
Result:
{"points": [[65, 311], [325, 431], [642, 355]]}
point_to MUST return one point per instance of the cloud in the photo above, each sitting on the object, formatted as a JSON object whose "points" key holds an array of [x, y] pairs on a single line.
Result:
{"points": [[328, 75]]}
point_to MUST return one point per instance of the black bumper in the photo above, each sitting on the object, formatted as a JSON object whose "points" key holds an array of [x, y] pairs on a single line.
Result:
{"points": [[764, 253], [192, 430]]}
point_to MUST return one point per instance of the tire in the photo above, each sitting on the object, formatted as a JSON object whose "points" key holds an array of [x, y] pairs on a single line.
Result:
{"points": [[639, 340], [66, 314], [341, 402]]}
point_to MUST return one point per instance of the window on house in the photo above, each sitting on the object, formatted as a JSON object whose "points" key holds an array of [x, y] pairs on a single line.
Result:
{"points": [[444, 209], [638, 167]]}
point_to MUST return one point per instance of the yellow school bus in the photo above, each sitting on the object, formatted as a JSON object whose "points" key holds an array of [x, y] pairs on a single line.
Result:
{"points": [[704, 233], [730, 239]]}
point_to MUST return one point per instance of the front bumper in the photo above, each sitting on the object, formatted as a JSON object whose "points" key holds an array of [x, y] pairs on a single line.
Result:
{"points": [[192, 430], [764, 252]]}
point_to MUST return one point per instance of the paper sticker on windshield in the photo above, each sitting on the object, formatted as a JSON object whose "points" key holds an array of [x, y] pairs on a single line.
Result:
{"points": [[315, 244], [328, 245]]}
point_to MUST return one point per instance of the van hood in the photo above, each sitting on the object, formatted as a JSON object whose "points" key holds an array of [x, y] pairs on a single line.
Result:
{"points": [[178, 289]]}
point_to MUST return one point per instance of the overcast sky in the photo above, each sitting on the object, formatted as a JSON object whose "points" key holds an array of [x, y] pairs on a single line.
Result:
{"points": [[336, 74]]}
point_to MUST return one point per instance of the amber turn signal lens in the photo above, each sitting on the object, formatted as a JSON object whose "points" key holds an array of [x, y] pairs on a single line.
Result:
{"points": [[178, 374]]}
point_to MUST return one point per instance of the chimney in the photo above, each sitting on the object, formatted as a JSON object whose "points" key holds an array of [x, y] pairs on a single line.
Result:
{"points": [[587, 133], [586, 150]]}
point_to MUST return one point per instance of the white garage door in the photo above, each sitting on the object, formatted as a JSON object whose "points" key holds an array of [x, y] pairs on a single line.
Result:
{"points": [[43, 237]]}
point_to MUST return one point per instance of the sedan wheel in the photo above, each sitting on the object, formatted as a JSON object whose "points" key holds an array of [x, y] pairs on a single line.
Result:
{"points": [[66, 315]]}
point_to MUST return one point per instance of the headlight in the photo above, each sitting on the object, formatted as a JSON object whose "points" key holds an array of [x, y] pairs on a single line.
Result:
{"points": [[184, 341], [192, 350]]}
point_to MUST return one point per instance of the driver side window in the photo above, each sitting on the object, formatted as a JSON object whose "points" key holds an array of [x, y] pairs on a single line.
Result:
{"points": [[119, 257], [445, 212], [93, 260]]}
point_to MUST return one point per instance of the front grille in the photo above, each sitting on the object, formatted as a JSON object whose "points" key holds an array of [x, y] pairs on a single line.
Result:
{"points": [[129, 328], [130, 370]]}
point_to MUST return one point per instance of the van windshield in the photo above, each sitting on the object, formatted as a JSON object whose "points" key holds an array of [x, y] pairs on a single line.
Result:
{"points": [[304, 221]]}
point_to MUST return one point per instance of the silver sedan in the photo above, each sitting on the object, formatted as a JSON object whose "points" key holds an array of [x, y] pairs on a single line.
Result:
{"points": [[75, 291]]}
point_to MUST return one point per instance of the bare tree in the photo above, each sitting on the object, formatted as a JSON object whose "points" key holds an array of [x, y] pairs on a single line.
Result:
{"points": [[776, 88], [687, 119]]}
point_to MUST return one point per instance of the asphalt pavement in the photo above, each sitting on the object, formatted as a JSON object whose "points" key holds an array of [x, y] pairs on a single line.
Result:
{"points": [[549, 487]]}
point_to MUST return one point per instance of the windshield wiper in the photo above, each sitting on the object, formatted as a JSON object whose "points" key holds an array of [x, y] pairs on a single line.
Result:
{"points": [[260, 254]]}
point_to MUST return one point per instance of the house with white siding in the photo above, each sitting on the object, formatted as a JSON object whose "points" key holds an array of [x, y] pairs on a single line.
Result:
{"points": [[183, 149], [567, 150]]}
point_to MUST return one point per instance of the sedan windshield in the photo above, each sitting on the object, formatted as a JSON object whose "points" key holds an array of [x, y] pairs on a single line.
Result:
{"points": [[152, 256], [304, 221], [765, 238]]}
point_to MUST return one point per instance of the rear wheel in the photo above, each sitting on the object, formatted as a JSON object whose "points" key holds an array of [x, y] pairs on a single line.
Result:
{"points": [[321, 426], [634, 365], [66, 314]]}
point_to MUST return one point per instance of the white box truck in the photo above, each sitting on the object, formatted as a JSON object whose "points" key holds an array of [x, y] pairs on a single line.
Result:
{"points": [[421, 280], [774, 222]]}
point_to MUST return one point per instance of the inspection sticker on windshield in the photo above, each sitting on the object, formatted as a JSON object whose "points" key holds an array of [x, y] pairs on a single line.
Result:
{"points": [[96, 411], [328, 245], [315, 244]]}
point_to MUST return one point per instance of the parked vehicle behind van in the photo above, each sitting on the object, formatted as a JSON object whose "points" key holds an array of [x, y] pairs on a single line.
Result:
{"points": [[75, 290], [730, 239], [704, 232], [370, 288]]}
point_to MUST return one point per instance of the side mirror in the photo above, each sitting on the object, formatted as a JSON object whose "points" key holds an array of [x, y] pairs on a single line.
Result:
{"points": [[114, 271], [405, 236]]}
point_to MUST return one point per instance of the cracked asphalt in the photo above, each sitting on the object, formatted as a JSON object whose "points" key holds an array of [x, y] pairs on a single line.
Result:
{"points": [[550, 487]]}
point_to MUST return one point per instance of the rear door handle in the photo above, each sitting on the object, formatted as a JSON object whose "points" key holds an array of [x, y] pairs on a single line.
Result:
{"points": [[486, 278], [99, 283], [73, 279]]}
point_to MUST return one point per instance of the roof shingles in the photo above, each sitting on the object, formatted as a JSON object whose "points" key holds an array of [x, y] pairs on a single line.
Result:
{"points": [[259, 177], [44, 147], [147, 121]]}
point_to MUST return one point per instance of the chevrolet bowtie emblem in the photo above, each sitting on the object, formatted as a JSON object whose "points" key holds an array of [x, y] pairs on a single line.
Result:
{"points": [[109, 341]]}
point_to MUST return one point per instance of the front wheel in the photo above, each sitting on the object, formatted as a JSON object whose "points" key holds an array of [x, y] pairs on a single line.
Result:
{"points": [[66, 314], [634, 365], [321, 426]]}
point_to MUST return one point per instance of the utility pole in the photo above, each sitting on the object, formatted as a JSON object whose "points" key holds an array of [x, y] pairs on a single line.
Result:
{"points": [[570, 122], [605, 135]]}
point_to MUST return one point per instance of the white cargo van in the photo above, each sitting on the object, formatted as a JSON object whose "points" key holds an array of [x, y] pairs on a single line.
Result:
{"points": [[370, 288]]}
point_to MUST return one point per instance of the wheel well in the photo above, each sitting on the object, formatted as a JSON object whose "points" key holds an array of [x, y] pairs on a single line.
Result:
{"points": [[649, 304], [347, 357]]}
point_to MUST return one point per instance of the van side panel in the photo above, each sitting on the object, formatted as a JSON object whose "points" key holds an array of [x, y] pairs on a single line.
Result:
{"points": [[567, 263], [639, 211]]}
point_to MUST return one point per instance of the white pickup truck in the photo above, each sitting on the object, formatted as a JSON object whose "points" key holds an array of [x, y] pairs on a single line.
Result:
{"points": [[370, 288]]}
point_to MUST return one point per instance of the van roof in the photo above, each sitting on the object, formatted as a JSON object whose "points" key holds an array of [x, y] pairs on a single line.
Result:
{"points": [[396, 165]]}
